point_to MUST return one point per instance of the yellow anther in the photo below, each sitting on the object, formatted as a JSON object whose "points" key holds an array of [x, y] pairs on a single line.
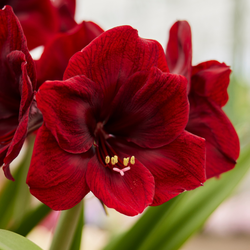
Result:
{"points": [[132, 160], [125, 161], [113, 161], [107, 159], [116, 158]]}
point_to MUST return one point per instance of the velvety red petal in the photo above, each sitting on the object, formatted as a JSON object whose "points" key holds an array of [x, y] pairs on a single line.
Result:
{"points": [[16, 143], [66, 11], [211, 79], [207, 120], [57, 53], [13, 38], [176, 167], [3, 151], [114, 56], [39, 20], [179, 50], [26, 92], [56, 177], [69, 4], [151, 110], [16, 60], [129, 194], [68, 111]]}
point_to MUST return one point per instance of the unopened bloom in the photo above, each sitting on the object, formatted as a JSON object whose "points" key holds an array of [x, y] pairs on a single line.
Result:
{"points": [[18, 111], [115, 126], [207, 94]]}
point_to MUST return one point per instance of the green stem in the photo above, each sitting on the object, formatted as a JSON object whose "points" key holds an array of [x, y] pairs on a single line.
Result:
{"points": [[66, 228]]}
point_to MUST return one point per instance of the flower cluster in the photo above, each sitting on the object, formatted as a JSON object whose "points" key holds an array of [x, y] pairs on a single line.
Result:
{"points": [[115, 114]]}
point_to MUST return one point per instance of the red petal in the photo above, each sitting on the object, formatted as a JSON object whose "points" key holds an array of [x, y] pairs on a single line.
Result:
{"points": [[129, 194], [56, 177], [39, 20], [114, 56], [16, 143], [151, 110], [57, 53], [207, 120], [25, 87], [179, 50], [176, 167], [66, 10], [68, 112], [211, 79], [12, 38]]}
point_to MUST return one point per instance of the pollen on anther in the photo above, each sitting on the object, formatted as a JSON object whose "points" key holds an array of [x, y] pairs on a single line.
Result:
{"points": [[116, 158], [113, 161], [107, 159], [132, 160], [125, 161]]}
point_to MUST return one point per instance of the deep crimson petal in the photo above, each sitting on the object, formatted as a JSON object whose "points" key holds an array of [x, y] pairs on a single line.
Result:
{"points": [[16, 143], [129, 194], [56, 177], [13, 38], [207, 120], [69, 4], [176, 167], [39, 20], [57, 53], [179, 50], [211, 79], [150, 111], [18, 80], [67, 111], [66, 11], [18, 65], [26, 91], [3, 151], [114, 56]]}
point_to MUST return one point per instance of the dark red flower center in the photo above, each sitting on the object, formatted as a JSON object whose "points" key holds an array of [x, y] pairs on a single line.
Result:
{"points": [[107, 155]]}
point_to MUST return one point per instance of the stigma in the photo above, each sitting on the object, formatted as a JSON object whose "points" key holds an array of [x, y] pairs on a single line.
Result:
{"points": [[114, 161]]}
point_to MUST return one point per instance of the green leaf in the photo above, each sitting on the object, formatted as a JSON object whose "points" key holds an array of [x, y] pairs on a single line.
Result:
{"points": [[135, 236], [15, 196], [31, 219], [13, 241], [184, 219]]}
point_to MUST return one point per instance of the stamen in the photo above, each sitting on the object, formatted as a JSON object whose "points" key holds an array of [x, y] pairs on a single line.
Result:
{"points": [[107, 159], [113, 161], [132, 160], [125, 161], [116, 158]]}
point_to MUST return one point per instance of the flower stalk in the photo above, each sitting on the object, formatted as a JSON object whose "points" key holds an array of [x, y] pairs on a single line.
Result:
{"points": [[66, 228]]}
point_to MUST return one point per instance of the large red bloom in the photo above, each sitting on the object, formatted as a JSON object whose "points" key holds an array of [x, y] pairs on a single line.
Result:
{"points": [[41, 20], [207, 94], [18, 111], [115, 126]]}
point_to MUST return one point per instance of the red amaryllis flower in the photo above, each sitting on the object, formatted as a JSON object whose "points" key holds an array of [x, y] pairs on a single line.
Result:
{"points": [[58, 51], [207, 94], [41, 20], [115, 126], [18, 112]]}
